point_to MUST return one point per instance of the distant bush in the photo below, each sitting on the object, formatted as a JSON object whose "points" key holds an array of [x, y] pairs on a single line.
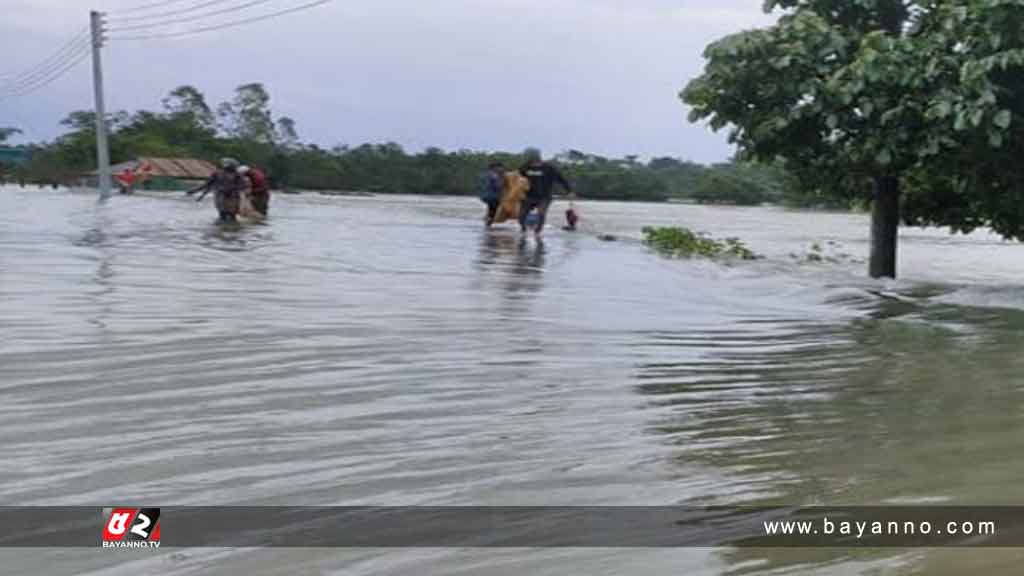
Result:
{"points": [[188, 127], [721, 187], [684, 243]]}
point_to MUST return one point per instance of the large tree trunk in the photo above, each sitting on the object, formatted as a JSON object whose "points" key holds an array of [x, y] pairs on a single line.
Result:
{"points": [[885, 224]]}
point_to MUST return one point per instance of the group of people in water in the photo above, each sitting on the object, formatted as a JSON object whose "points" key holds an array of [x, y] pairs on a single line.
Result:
{"points": [[239, 190], [243, 191], [519, 193]]}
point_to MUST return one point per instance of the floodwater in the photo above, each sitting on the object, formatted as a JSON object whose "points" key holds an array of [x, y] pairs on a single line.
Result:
{"points": [[389, 351]]}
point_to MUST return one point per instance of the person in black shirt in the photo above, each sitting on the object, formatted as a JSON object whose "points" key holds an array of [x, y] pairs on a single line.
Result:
{"points": [[543, 177]]}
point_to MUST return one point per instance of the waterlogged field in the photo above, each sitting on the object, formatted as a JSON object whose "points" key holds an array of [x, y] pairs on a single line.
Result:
{"points": [[389, 351]]}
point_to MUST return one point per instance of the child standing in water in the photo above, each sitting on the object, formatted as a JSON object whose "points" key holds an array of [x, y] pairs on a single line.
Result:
{"points": [[571, 218]]}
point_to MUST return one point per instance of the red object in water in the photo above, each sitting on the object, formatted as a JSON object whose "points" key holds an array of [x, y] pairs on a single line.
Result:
{"points": [[571, 218], [127, 177], [259, 180]]}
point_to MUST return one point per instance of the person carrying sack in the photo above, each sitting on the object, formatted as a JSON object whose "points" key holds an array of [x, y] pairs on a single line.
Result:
{"points": [[227, 185]]}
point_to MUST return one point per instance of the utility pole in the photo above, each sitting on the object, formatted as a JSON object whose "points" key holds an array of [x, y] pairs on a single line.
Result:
{"points": [[102, 147]]}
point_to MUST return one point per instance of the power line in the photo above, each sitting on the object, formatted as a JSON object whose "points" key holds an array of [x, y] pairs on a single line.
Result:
{"points": [[75, 40], [223, 25], [47, 77], [171, 13], [44, 82], [28, 78], [43, 73], [193, 18], [152, 5], [55, 59]]}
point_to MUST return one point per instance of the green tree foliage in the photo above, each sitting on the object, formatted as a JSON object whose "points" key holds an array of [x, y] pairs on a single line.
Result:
{"points": [[6, 133], [604, 178], [918, 96], [746, 184], [248, 130], [188, 105], [287, 134], [248, 116]]}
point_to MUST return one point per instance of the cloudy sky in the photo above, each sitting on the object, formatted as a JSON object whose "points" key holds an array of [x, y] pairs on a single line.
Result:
{"points": [[595, 75]]}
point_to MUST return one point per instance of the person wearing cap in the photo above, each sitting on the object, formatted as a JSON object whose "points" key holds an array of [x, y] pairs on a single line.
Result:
{"points": [[259, 192], [542, 176], [227, 185]]}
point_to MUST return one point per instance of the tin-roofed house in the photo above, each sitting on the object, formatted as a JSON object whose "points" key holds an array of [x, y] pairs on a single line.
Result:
{"points": [[172, 174]]}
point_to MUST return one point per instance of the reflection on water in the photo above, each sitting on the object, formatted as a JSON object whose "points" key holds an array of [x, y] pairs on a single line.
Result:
{"points": [[517, 263], [512, 253], [391, 351]]}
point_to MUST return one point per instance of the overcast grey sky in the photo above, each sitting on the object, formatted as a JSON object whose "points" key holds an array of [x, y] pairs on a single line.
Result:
{"points": [[596, 75]]}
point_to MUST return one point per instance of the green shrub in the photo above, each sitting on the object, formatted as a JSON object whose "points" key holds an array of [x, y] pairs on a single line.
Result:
{"points": [[727, 185], [684, 243]]}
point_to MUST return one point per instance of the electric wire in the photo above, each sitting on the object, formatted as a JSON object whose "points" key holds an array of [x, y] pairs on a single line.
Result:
{"points": [[49, 60], [46, 81], [193, 18], [150, 6], [169, 13], [30, 77], [224, 25], [46, 78]]}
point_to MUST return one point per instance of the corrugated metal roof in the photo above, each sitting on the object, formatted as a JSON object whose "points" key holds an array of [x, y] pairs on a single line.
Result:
{"points": [[115, 168], [185, 168], [190, 168]]}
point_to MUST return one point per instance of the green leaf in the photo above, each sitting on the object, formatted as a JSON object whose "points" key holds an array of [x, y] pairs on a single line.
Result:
{"points": [[1003, 119], [891, 115], [995, 139], [961, 121], [977, 117], [884, 157]]}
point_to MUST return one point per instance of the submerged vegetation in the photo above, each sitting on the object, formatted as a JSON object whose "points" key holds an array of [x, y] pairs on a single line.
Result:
{"points": [[247, 128], [830, 252], [684, 243]]}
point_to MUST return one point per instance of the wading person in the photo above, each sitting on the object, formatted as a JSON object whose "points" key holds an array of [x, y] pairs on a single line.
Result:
{"points": [[259, 192], [542, 176], [126, 181], [571, 219], [491, 184], [227, 185]]}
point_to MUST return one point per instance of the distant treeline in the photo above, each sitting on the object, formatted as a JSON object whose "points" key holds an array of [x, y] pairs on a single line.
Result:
{"points": [[245, 128]]}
